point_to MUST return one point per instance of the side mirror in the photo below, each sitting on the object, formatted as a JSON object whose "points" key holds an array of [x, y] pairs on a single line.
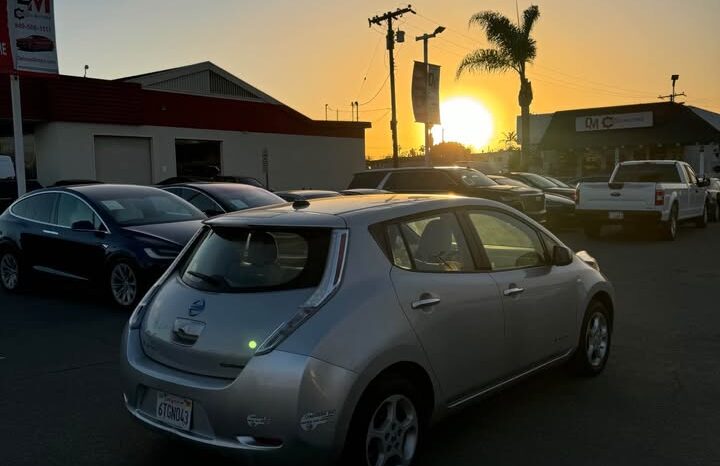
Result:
{"points": [[703, 183], [562, 256], [83, 225]]}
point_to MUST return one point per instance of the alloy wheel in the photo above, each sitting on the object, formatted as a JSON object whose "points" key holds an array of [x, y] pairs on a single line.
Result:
{"points": [[123, 283], [9, 271], [597, 337], [673, 224], [392, 435]]}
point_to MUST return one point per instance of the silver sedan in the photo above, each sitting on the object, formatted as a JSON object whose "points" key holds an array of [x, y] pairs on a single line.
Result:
{"points": [[343, 327]]}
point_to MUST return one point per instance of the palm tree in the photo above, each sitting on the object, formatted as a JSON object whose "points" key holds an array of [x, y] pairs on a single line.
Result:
{"points": [[514, 49], [509, 139]]}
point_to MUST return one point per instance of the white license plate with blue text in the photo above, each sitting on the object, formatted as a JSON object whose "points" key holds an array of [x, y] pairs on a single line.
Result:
{"points": [[174, 410]]}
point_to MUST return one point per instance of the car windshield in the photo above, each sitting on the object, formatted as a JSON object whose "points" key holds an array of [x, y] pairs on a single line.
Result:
{"points": [[510, 182], [141, 208], [474, 178], [244, 260], [539, 181], [244, 197], [647, 173]]}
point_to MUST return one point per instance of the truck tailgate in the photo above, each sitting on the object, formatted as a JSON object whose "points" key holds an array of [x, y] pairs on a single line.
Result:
{"points": [[617, 196]]}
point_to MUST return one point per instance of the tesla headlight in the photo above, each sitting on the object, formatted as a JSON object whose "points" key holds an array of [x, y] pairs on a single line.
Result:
{"points": [[161, 253]]}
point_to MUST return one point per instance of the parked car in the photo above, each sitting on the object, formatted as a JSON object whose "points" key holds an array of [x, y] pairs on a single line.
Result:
{"points": [[542, 183], [560, 183], [119, 238], [8, 183], [588, 179], [60, 183], [249, 180], [560, 209], [452, 180], [713, 191], [649, 193], [294, 333], [219, 198], [306, 194], [35, 43]]}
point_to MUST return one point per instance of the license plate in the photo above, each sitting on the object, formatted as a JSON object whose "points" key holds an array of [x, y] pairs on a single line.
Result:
{"points": [[174, 410], [615, 215]]}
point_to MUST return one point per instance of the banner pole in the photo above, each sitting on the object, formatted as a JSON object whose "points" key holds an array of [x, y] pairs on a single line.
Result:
{"points": [[18, 134]]}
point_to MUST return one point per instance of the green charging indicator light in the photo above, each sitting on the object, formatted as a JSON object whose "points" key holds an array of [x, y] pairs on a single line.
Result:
{"points": [[252, 344]]}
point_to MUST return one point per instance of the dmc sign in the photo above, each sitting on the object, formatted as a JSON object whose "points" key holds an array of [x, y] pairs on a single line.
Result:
{"points": [[617, 121]]}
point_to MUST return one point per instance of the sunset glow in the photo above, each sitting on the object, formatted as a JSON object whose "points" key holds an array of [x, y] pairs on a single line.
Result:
{"points": [[466, 121]]}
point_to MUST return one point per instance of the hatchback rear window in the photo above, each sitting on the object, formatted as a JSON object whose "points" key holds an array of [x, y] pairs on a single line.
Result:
{"points": [[254, 260]]}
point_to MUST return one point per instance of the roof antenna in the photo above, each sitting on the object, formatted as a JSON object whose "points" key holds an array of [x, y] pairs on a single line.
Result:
{"points": [[87, 67]]}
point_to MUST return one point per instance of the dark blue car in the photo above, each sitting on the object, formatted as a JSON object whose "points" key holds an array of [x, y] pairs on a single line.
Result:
{"points": [[117, 237]]}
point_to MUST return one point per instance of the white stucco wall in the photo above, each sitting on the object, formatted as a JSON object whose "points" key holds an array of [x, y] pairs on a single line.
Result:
{"points": [[66, 151]]}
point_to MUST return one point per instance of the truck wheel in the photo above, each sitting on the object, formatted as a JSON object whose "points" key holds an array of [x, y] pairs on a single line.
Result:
{"points": [[702, 220], [592, 230], [668, 230]]}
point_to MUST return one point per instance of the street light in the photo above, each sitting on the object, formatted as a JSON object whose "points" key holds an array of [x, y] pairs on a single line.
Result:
{"points": [[425, 38]]}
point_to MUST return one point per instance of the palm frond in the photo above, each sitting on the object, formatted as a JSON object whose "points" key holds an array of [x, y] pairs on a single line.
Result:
{"points": [[490, 60], [530, 16], [498, 28]]}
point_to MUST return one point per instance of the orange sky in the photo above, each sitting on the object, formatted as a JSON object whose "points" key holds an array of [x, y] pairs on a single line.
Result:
{"points": [[315, 52]]}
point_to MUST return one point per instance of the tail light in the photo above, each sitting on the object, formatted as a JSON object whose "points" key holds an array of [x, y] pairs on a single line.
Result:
{"points": [[659, 197], [329, 284]]}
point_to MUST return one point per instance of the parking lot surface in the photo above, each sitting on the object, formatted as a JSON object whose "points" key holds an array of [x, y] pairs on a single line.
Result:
{"points": [[656, 403]]}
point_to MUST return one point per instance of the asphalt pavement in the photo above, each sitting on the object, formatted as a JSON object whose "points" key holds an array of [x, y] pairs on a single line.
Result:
{"points": [[657, 403]]}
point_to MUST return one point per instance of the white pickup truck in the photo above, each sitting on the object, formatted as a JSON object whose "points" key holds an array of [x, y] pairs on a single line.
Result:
{"points": [[655, 193]]}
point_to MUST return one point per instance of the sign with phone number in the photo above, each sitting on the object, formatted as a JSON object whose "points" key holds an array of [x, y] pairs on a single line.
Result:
{"points": [[27, 36]]}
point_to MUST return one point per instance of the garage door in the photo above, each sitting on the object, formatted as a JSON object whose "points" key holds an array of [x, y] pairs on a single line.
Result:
{"points": [[123, 160]]}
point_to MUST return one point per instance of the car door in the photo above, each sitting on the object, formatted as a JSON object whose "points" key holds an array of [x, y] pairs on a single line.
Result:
{"points": [[539, 299], [82, 240], [36, 214], [454, 307], [696, 194]]}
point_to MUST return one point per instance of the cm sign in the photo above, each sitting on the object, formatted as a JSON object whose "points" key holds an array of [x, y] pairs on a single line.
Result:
{"points": [[616, 121]]}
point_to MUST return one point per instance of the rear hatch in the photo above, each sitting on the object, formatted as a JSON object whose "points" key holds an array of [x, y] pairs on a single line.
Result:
{"points": [[234, 289], [617, 196]]}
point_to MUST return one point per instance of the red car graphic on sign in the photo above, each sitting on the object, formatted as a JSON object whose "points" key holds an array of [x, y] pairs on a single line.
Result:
{"points": [[35, 43]]}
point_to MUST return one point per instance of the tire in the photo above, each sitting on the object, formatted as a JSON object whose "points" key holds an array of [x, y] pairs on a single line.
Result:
{"points": [[123, 284], [592, 230], [13, 276], [669, 229], [715, 211], [702, 221], [373, 433], [593, 349]]}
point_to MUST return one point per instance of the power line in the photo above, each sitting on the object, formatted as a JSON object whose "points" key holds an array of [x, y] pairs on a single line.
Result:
{"points": [[367, 70], [382, 86]]}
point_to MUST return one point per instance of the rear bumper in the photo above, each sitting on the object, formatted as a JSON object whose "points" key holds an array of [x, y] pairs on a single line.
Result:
{"points": [[628, 217], [293, 400]]}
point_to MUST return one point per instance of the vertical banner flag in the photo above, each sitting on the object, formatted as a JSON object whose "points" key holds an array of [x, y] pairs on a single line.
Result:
{"points": [[432, 74], [27, 36]]}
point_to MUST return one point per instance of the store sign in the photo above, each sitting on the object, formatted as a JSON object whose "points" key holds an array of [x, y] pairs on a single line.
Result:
{"points": [[617, 121], [27, 36]]}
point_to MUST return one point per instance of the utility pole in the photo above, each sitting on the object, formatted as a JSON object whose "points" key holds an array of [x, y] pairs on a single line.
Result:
{"points": [[326, 109], [428, 125], [389, 16], [672, 96]]}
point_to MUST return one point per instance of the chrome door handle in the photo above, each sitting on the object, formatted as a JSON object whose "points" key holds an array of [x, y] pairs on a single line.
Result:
{"points": [[50, 232], [513, 291], [425, 302]]}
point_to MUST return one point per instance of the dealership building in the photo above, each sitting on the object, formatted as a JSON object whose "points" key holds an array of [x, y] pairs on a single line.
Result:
{"points": [[178, 122], [591, 141]]}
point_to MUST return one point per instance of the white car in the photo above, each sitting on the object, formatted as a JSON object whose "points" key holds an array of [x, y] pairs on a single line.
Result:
{"points": [[655, 193]]}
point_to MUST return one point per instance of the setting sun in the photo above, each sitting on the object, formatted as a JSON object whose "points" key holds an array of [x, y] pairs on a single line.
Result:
{"points": [[466, 121]]}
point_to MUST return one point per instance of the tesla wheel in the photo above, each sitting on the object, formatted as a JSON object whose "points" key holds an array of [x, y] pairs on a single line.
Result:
{"points": [[387, 425], [124, 284], [12, 276], [669, 229], [702, 220], [594, 344]]}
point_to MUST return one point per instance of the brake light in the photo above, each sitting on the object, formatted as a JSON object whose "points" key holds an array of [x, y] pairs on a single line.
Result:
{"points": [[659, 197], [329, 284]]}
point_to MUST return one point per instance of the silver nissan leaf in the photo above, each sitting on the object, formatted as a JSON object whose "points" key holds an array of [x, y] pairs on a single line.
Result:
{"points": [[342, 327]]}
